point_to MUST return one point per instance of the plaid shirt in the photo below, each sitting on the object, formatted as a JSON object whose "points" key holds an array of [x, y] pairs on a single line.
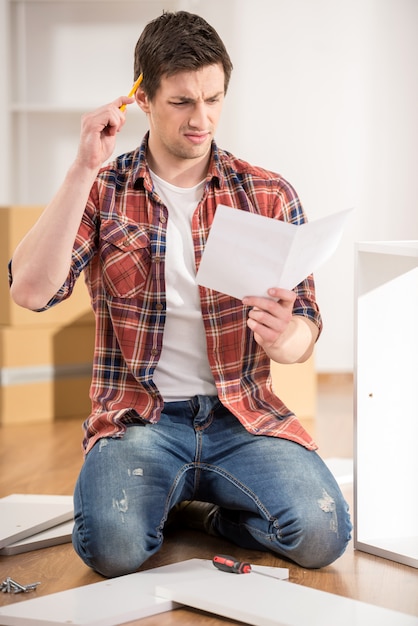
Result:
{"points": [[121, 248]]}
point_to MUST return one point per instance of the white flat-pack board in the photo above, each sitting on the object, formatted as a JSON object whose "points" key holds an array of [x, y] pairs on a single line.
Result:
{"points": [[264, 601], [61, 533], [23, 515], [107, 603]]}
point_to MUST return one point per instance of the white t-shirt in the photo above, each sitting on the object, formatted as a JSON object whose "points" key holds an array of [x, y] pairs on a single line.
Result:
{"points": [[183, 369]]}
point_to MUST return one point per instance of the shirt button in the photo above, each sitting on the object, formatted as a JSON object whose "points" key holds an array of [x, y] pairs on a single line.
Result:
{"points": [[163, 219], [154, 352], [159, 306]]}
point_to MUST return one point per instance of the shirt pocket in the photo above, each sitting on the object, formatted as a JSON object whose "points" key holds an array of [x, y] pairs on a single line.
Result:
{"points": [[125, 258]]}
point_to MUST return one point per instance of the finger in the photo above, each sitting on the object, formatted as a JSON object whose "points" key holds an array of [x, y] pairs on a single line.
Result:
{"points": [[275, 308], [284, 296], [276, 321], [113, 116], [123, 101], [262, 334]]}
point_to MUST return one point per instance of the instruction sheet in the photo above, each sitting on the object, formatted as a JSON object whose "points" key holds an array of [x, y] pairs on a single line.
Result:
{"points": [[246, 254]]}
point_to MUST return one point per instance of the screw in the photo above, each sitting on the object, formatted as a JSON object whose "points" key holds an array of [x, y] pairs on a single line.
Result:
{"points": [[12, 586], [17, 587], [31, 586]]}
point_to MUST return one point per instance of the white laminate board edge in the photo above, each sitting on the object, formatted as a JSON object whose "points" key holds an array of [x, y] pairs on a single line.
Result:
{"points": [[62, 533], [23, 515]]}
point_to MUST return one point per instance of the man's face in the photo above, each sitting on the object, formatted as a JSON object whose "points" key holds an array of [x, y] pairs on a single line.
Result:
{"points": [[184, 114]]}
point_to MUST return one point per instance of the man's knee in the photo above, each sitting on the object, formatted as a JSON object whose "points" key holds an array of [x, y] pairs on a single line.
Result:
{"points": [[316, 540], [112, 553]]}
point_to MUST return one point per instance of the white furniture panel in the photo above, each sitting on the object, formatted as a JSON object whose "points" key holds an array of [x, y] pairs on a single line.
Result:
{"points": [[262, 601], [386, 405], [23, 515]]}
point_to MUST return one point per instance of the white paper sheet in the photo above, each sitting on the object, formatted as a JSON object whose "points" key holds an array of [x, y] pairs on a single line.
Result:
{"points": [[247, 253]]}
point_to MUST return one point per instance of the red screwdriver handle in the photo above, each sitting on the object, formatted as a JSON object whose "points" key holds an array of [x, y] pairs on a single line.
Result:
{"points": [[229, 564]]}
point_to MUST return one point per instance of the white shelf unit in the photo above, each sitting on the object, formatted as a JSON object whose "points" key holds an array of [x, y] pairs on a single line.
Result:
{"points": [[386, 402], [67, 57]]}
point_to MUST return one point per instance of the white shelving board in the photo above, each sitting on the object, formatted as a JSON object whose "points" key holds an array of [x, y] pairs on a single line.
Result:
{"points": [[24, 515], [67, 57], [386, 403]]}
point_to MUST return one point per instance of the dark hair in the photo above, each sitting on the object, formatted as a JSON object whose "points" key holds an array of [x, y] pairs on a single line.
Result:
{"points": [[177, 42]]}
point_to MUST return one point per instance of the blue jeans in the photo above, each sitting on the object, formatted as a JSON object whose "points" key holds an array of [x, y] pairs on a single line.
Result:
{"points": [[273, 494]]}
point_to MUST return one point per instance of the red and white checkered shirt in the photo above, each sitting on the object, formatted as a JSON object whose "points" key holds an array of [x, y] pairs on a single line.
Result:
{"points": [[121, 248]]}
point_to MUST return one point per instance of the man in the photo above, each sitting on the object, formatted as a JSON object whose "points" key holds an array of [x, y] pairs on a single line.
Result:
{"points": [[183, 414]]}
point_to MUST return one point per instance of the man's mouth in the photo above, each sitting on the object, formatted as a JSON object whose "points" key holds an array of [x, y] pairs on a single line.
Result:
{"points": [[197, 138]]}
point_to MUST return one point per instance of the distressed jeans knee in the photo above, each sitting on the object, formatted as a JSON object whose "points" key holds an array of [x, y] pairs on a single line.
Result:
{"points": [[109, 541], [316, 539], [114, 532], [301, 513]]}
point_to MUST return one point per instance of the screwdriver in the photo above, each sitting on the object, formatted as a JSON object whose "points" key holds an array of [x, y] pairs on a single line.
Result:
{"points": [[229, 564]]}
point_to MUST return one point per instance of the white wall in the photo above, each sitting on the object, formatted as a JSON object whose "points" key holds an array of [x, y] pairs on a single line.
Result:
{"points": [[324, 92]]}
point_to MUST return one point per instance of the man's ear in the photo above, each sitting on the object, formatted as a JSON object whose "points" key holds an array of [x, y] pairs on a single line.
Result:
{"points": [[142, 99]]}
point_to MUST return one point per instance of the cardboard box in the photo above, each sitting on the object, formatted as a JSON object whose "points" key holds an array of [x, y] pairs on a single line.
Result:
{"points": [[45, 401], [45, 358], [45, 373], [15, 222], [29, 346], [296, 385]]}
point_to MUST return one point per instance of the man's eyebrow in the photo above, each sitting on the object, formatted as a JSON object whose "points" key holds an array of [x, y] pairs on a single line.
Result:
{"points": [[182, 98], [215, 95], [189, 99]]}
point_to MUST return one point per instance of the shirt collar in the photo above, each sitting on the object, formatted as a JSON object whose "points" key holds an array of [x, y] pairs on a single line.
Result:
{"points": [[141, 175]]}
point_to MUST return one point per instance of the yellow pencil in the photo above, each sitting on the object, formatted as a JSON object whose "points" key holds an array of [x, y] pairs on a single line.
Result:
{"points": [[133, 90]]}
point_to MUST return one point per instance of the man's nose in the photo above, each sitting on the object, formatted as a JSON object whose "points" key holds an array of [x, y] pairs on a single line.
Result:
{"points": [[199, 116]]}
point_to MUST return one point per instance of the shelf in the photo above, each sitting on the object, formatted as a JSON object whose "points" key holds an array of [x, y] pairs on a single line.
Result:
{"points": [[58, 109], [101, 44], [84, 2], [56, 134], [67, 58], [386, 400], [402, 550], [50, 108], [397, 248]]}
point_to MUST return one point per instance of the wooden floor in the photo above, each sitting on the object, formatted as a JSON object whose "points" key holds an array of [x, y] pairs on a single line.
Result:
{"points": [[45, 459]]}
